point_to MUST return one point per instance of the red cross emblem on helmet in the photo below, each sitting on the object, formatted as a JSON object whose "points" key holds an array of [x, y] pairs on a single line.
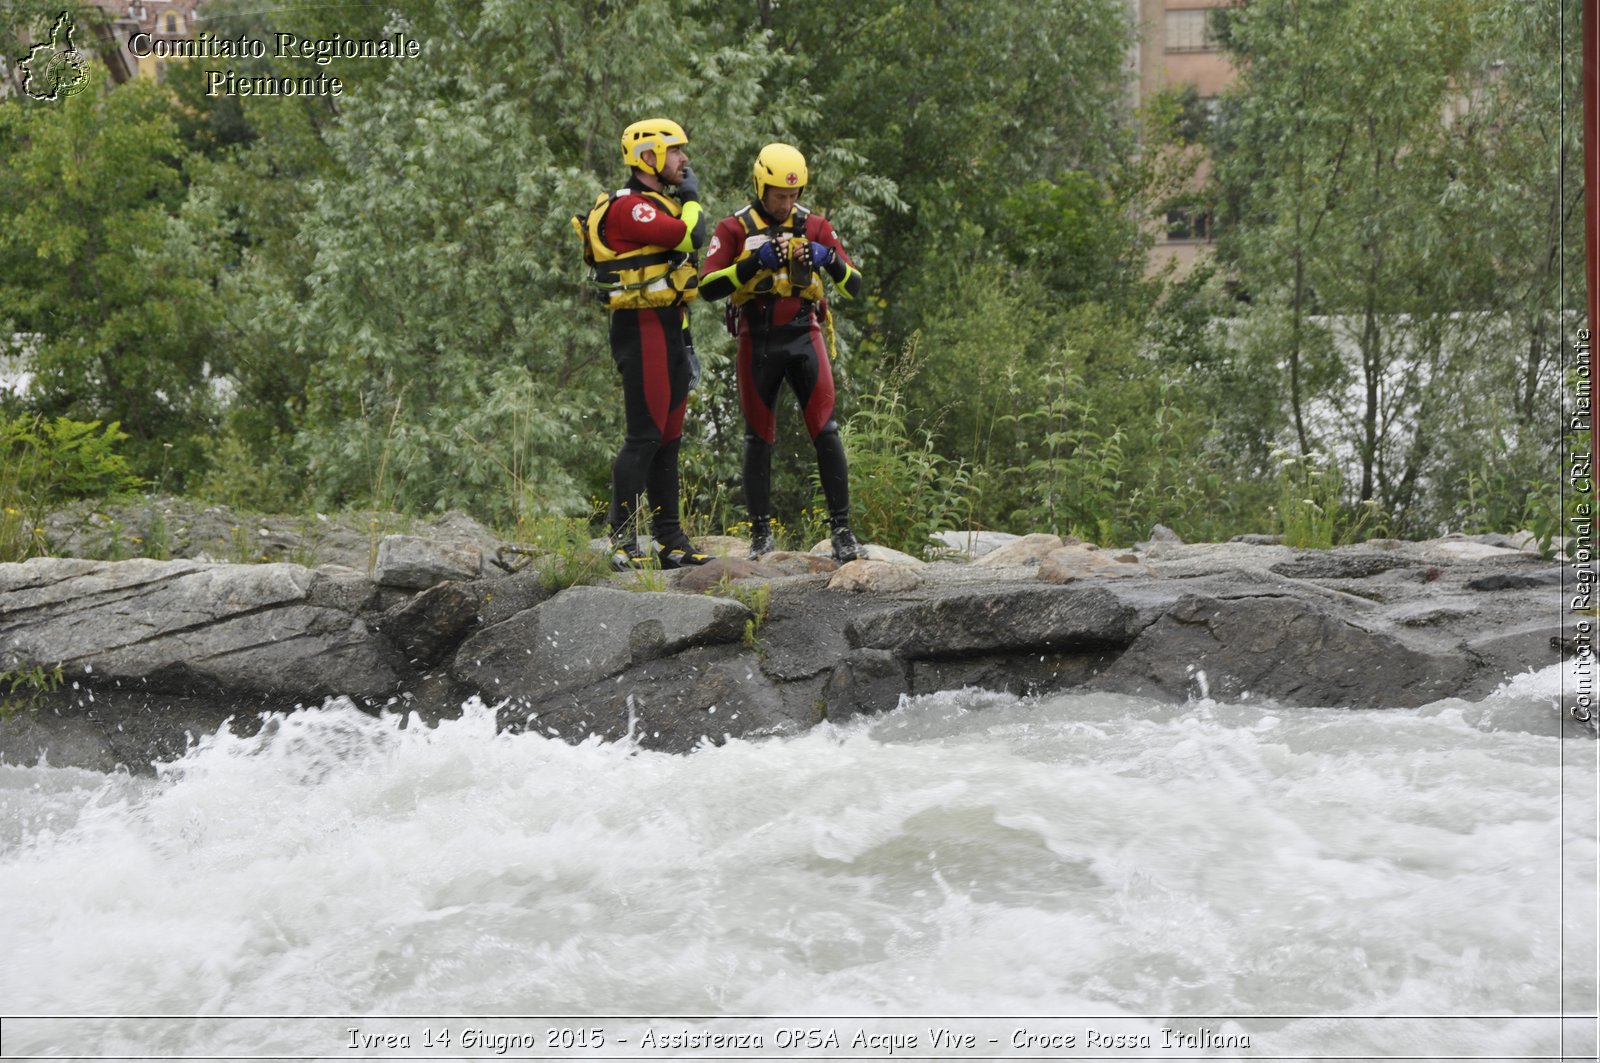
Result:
{"points": [[792, 178]]}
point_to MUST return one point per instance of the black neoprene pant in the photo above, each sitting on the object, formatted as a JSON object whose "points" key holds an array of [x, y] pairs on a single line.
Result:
{"points": [[769, 355], [647, 347]]}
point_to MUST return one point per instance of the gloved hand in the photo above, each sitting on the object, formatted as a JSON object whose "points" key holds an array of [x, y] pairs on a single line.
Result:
{"points": [[769, 256], [820, 254], [688, 187]]}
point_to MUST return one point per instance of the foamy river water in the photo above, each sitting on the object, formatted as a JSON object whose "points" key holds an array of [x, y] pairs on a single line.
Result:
{"points": [[1070, 877]]}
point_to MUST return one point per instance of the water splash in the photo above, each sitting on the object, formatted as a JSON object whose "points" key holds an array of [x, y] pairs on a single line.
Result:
{"points": [[968, 853]]}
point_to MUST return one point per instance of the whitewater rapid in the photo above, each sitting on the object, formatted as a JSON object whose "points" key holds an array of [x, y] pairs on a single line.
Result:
{"points": [[1320, 882]]}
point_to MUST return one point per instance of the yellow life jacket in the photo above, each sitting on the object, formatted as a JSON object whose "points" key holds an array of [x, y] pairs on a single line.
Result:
{"points": [[644, 277], [766, 282]]}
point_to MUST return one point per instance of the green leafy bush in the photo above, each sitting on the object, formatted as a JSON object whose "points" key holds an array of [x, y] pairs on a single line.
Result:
{"points": [[43, 463], [21, 689], [902, 490]]}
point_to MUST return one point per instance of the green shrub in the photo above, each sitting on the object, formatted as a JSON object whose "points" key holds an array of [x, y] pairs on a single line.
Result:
{"points": [[22, 688], [1312, 513], [44, 463], [757, 598], [1076, 470], [263, 480], [561, 550], [902, 490]]}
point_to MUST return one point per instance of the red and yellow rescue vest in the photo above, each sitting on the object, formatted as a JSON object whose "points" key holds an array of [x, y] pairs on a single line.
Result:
{"points": [[644, 277], [766, 282]]}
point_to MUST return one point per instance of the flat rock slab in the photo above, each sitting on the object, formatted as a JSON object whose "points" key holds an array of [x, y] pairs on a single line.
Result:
{"points": [[178, 625], [156, 649]]}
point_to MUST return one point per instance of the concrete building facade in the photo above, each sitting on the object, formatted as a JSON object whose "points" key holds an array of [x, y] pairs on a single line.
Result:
{"points": [[1177, 49]]}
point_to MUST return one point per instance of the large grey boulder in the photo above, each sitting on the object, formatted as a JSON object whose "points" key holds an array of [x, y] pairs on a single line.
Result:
{"points": [[161, 652], [1281, 647], [415, 563], [674, 703], [1036, 617], [433, 623], [585, 634], [864, 682], [182, 625]]}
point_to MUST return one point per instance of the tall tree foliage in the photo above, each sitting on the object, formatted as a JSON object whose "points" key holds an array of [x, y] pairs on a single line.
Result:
{"points": [[108, 266], [967, 107], [382, 291], [1005, 129], [1362, 175], [449, 356]]}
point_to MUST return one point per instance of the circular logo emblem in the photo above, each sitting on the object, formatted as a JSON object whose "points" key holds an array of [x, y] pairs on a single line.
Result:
{"points": [[66, 74], [643, 212], [793, 179]]}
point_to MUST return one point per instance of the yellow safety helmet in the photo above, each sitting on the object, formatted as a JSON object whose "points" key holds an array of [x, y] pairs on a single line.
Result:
{"points": [[779, 165], [656, 134]]}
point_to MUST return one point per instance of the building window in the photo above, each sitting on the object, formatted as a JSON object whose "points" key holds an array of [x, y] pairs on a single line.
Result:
{"points": [[1195, 116], [1189, 30], [172, 23], [1188, 223]]}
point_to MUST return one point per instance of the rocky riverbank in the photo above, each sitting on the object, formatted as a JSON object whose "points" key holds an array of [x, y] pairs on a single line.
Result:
{"points": [[154, 654]]}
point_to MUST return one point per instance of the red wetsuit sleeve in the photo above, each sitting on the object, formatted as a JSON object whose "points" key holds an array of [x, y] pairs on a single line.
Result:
{"points": [[844, 272], [634, 222], [726, 243]]}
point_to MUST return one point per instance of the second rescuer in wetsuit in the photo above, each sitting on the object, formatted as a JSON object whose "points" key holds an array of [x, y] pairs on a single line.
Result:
{"points": [[768, 259]]}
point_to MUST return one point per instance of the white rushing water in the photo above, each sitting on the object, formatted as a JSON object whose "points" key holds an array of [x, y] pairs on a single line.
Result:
{"points": [[1079, 863]]}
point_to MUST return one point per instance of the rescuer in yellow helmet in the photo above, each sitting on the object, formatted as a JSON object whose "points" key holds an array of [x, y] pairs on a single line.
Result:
{"points": [[641, 244], [768, 259]]}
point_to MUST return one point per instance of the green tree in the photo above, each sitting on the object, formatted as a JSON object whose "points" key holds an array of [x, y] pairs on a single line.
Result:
{"points": [[963, 107], [450, 347], [1362, 181], [104, 261]]}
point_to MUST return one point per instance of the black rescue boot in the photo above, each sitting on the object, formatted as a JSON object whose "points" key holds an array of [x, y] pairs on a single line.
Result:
{"points": [[680, 553], [845, 547], [761, 542], [626, 555]]}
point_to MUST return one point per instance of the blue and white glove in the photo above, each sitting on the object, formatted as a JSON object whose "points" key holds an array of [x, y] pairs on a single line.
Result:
{"points": [[821, 254], [769, 257]]}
